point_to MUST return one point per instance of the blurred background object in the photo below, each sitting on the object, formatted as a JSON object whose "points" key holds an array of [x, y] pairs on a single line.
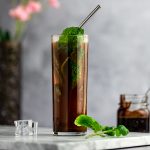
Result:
{"points": [[10, 56], [10, 74], [118, 54]]}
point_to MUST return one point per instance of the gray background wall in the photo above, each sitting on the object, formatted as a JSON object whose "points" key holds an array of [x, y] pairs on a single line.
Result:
{"points": [[119, 54]]}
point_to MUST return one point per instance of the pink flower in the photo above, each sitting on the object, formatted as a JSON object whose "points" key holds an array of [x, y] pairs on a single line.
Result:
{"points": [[33, 7], [24, 12], [54, 3], [20, 13]]}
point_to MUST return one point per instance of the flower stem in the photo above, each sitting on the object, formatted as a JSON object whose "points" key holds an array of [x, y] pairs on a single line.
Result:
{"points": [[19, 30]]}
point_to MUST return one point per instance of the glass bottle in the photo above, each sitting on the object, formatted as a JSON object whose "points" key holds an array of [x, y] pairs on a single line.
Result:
{"points": [[133, 112]]}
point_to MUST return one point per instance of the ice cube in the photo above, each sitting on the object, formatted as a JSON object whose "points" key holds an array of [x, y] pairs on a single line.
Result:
{"points": [[23, 127]]}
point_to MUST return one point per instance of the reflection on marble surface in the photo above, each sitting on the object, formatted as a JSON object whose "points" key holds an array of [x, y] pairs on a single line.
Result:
{"points": [[46, 141]]}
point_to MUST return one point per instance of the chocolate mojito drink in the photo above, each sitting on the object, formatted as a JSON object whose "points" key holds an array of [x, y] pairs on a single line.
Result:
{"points": [[69, 76]]}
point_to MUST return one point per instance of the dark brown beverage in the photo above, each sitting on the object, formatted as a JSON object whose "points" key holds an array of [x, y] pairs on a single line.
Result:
{"points": [[69, 76], [134, 113], [135, 124]]}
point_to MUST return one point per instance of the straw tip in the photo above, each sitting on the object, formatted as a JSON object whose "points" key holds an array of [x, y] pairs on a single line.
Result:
{"points": [[98, 6]]}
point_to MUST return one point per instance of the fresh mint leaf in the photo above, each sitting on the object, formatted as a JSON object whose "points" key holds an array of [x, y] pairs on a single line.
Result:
{"points": [[70, 44], [106, 128], [110, 132], [99, 130], [123, 130], [89, 122], [74, 72], [69, 39], [117, 132], [73, 31], [76, 56]]}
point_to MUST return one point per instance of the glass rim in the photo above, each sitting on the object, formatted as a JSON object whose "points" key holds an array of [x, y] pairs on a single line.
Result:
{"points": [[55, 37]]}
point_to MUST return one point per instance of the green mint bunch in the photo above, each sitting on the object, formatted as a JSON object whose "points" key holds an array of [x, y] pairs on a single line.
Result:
{"points": [[98, 129], [68, 40], [70, 44], [74, 72]]}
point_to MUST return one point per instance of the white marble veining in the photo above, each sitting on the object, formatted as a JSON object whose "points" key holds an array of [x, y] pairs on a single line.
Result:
{"points": [[119, 54], [46, 141]]}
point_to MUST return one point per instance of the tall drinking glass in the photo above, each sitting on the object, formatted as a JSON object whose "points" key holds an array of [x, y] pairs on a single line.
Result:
{"points": [[69, 82]]}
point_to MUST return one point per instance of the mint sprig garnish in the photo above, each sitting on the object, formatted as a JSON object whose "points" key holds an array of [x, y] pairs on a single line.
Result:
{"points": [[73, 31], [74, 72], [70, 44], [98, 129], [68, 40], [88, 122]]}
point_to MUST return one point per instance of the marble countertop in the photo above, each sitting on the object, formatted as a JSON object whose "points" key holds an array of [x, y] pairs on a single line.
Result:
{"points": [[46, 141]]}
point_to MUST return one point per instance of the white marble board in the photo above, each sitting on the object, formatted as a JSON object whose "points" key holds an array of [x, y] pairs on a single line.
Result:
{"points": [[46, 141]]}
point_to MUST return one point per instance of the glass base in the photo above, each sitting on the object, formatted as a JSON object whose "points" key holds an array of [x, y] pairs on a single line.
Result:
{"points": [[70, 133]]}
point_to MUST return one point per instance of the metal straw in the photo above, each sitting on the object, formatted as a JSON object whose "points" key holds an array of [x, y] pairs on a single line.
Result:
{"points": [[146, 94], [89, 16]]}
